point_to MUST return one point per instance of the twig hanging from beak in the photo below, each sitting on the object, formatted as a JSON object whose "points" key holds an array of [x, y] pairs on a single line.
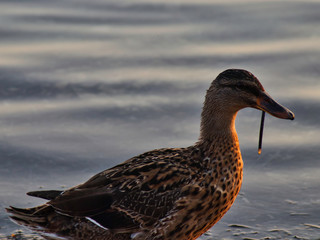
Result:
{"points": [[261, 131]]}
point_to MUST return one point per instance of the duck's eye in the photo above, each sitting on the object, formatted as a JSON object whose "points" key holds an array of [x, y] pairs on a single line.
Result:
{"points": [[248, 89], [240, 87]]}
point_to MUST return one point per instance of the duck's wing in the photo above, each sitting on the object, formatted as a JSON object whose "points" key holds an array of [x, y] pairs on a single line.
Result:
{"points": [[133, 194], [83, 202]]}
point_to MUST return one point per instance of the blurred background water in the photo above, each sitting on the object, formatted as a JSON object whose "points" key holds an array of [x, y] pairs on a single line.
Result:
{"points": [[85, 85]]}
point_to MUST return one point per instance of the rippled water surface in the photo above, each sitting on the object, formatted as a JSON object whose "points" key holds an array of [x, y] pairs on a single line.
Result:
{"points": [[85, 85]]}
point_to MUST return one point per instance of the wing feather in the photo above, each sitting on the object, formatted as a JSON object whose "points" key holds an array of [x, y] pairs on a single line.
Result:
{"points": [[134, 194]]}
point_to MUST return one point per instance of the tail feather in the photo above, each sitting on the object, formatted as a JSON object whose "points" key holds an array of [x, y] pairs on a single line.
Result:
{"points": [[36, 217], [54, 226], [48, 194], [30, 217]]}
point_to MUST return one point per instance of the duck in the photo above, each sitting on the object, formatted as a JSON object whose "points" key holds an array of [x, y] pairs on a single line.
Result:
{"points": [[167, 193]]}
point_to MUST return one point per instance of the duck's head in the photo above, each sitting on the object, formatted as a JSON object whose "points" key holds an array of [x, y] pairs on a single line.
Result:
{"points": [[231, 91], [237, 89]]}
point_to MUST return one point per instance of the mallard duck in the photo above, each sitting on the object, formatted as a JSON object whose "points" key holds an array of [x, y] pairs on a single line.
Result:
{"points": [[169, 193]]}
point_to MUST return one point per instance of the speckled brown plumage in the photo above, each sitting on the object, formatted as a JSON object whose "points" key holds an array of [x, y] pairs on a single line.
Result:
{"points": [[175, 193]]}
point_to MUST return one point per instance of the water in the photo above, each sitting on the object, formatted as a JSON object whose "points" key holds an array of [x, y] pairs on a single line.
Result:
{"points": [[87, 84]]}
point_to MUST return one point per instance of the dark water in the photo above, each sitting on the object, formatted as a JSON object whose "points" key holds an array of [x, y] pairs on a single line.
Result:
{"points": [[85, 85]]}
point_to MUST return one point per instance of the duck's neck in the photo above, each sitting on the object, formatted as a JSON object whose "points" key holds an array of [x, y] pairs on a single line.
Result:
{"points": [[217, 123]]}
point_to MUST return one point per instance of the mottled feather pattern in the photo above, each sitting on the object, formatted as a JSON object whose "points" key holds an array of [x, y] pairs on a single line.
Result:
{"points": [[163, 194]]}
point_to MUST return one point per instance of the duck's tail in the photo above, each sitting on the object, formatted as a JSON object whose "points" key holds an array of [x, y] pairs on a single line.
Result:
{"points": [[33, 218], [43, 220], [52, 225]]}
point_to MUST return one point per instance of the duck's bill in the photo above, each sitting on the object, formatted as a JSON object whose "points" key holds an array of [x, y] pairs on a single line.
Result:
{"points": [[267, 104]]}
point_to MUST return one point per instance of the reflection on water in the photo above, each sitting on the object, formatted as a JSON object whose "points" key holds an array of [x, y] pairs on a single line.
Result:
{"points": [[86, 85]]}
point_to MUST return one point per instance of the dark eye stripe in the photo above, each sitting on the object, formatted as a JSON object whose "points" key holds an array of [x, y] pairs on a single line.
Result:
{"points": [[247, 88]]}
